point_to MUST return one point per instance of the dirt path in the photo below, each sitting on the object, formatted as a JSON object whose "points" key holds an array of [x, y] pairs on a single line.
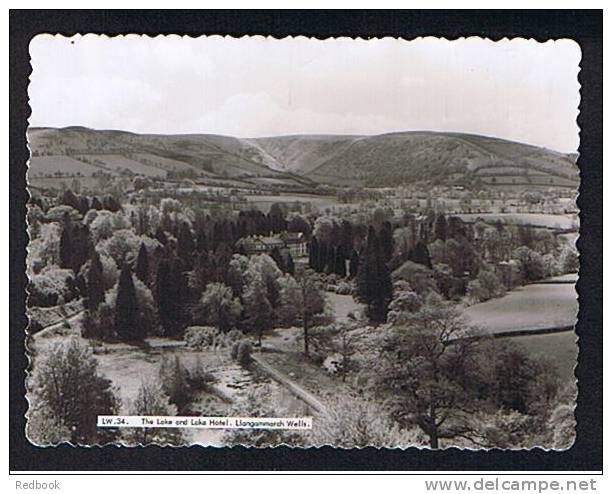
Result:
{"points": [[294, 388], [56, 325]]}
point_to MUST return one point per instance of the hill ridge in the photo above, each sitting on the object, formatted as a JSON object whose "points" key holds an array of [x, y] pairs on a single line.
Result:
{"points": [[339, 159]]}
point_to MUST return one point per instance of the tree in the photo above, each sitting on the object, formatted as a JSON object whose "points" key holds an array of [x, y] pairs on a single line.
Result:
{"points": [[386, 241], [218, 307], [66, 383], [142, 264], [569, 260], [95, 283], [127, 325], [185, 242], [290, 297], [174, 377], [152, 401], [427, 368], [313, 254], [278, 258], [487, 285], [289, 264], [340, 263], [310, 302], [172, 296], [420, 254], [264, 268], [297, 223], [258, 307], [66, 244], [374, 286], [530, 263], [405, 302], [235, 277], [440, 228], [354, 264], [351, 422]]}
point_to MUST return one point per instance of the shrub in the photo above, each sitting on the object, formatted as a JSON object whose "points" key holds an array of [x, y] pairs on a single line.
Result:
{"points": [[487, 285], [530, 262], [174, 381], [110, 273], [66, 384], [34, 326], [218, 307], [100, 324], [354, 423], [569, 260], [403, 304], [152, 400], [344, 288], [52, 286], [198, 378], [43, 429], [147, 312], [200, 336], [241, 352]]}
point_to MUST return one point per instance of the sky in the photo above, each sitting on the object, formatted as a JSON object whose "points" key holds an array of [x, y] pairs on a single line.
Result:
{"points": [[518, 89]]}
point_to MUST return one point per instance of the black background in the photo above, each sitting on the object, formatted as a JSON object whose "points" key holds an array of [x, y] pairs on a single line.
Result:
{"points": [[585, 27]]}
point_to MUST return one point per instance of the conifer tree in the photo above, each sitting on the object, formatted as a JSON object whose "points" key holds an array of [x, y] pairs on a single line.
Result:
{"points": [[386, 241], [66, 243], [126, 308], [374, 286], [185, 242], [96, 204], [420, 254], [313, 254], [354, 264], [278, 259], [289, 264], [142, 264], [340, 263], [95, 285], [201, 241], [440, 228], [172, 296]]}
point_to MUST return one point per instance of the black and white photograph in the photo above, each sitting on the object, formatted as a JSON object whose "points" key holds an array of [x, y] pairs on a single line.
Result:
{"points": [[264, 241]]}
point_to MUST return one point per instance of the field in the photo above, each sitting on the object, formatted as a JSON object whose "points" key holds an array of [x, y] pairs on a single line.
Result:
{"points": [[118, 163], [264, 202], [553, 221], [87, 183], [561, 348], [48, 165], [535, 306], [165, 163]]}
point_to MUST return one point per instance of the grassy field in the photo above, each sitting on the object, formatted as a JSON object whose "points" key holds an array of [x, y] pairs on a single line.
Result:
{"points": [[527, 307], [530, 307], [45, 165], [561, 348], [565, 222], [264, 202], [91, 184], [118, 162]]}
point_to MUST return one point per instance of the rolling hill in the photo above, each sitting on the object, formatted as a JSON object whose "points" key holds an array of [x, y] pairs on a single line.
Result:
{"points": [[381, 160]]}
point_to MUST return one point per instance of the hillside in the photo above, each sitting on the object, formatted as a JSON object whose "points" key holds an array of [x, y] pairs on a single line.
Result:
{"points": [[411, 156], [380, 160]]}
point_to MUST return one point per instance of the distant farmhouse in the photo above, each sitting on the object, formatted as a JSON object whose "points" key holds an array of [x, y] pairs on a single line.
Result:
{"points": [[294, 242]]}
